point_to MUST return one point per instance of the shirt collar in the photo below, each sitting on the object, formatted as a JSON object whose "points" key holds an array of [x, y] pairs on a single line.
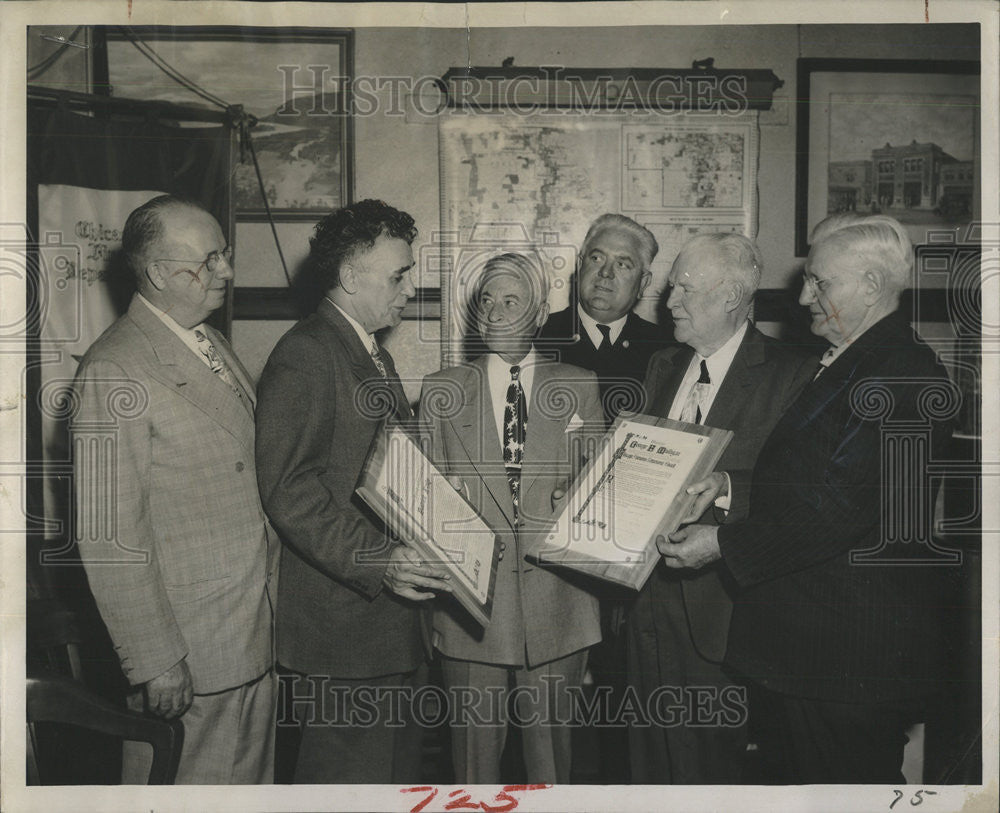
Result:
{"points": [[367, 339], [719, 362], [185, 334], [499, 370], [589, 323]]}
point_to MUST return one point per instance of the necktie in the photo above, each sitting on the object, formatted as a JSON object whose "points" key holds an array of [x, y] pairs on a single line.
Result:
{"points": [[605, 346], [825, 362], [691, 413], [377, 358], [216, 362], [515, 420]]}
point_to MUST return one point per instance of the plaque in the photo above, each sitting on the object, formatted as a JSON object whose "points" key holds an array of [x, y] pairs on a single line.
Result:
{"points": [[630, 492], [421, 507]]}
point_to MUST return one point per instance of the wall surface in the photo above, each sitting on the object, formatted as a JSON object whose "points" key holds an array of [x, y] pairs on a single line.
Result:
{"points": [[396, 155]]}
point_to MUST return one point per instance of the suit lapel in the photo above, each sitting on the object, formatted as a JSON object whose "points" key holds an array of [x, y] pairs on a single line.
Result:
{"points": [[363, 367], [663, 398], [403, 411], [191, 378], [235, 366], [475, 426], [731, 397], [545, 432]]}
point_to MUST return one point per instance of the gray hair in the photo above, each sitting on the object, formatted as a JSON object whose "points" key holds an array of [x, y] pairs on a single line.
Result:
{"points": [[877, 242], [517, 265], [647, 242], [741, 257]]}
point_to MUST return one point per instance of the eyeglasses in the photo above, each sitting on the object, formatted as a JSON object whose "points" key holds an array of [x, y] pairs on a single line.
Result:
{"points": [[211, 262], [814, 283]]}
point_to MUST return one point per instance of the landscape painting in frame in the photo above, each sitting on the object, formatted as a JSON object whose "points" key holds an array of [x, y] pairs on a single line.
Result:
{"points": [[294, 81], [890, 137]]}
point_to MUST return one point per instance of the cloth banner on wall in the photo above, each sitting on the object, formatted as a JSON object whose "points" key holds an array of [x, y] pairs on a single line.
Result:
{"points": [[85, 175]]}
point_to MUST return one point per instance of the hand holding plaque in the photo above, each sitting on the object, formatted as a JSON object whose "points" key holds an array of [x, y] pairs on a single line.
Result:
{"points": [[453, 550], [634, 490]]}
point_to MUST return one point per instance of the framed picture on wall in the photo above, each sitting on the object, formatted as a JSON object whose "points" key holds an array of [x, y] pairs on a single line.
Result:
{"points": [[294, 82], [896, 137]]}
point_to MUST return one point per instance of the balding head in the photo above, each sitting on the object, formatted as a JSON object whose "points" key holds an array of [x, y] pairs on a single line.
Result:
{"points": [[179, 256]]}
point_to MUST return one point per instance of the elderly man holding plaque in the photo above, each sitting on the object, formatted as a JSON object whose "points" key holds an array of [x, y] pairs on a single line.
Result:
{"points": [[727, 375], [511, 426], [836, 623]]}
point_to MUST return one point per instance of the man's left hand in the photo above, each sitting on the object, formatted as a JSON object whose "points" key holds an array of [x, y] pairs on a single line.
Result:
{"points": [[691, 547], [708, 490]]}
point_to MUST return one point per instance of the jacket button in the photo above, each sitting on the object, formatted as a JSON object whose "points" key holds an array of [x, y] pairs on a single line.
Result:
{"points": [[503, 546], [500, 558], [239, 465]]}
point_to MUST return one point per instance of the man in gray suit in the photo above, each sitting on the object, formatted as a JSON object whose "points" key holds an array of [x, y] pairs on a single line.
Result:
{"points": [[181, 570], [511, 425], [349, 618], [730, 376]]}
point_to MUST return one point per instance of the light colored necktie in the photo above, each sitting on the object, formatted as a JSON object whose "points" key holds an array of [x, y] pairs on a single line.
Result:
{"points": [[215, 361], [691, 413], [377, 358]]}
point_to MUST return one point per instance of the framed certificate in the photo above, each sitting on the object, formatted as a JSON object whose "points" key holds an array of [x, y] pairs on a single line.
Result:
{"points": [[632, 491], [419, 505]]}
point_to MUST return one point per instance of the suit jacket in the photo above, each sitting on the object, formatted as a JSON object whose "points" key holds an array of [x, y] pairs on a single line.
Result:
{"points": [[807, 621], [620, 374], [320, 402], [763, 380], [538, 614], [187, 573]]}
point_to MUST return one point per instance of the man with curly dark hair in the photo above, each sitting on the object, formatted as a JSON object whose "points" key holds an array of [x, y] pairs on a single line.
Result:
{"points": [[349, 621]]}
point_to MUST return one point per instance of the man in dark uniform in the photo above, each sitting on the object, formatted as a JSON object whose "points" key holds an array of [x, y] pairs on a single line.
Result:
{"points": [[600, 332]]}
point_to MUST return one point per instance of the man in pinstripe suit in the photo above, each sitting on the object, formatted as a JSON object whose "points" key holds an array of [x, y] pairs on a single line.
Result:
{"points": [[839, 631]]}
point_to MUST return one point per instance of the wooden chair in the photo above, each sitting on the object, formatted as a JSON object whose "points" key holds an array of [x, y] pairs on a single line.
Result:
{"points": [[55, 636], [56, 699]]}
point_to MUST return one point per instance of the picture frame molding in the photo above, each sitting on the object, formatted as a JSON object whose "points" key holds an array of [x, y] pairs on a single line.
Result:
{"points": [[806, 67]]}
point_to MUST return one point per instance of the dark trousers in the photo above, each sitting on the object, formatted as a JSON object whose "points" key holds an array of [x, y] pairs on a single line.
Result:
{"points": [[362, 731], [698, 732], [807, 742]]}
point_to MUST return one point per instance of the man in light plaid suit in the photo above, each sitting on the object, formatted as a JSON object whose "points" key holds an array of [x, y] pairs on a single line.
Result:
{"points": [[171, 530]]}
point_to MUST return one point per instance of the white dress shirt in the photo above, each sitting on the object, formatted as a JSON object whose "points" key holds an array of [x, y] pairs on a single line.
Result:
{"points": [[185, 334], [589, 323], [498, 378], [718, 366], [367, 339]]}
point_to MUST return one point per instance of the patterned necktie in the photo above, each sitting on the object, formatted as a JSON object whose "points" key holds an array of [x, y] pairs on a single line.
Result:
{"points": [[691, 413], [216, 362], [515, 420], [377, 358]]}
